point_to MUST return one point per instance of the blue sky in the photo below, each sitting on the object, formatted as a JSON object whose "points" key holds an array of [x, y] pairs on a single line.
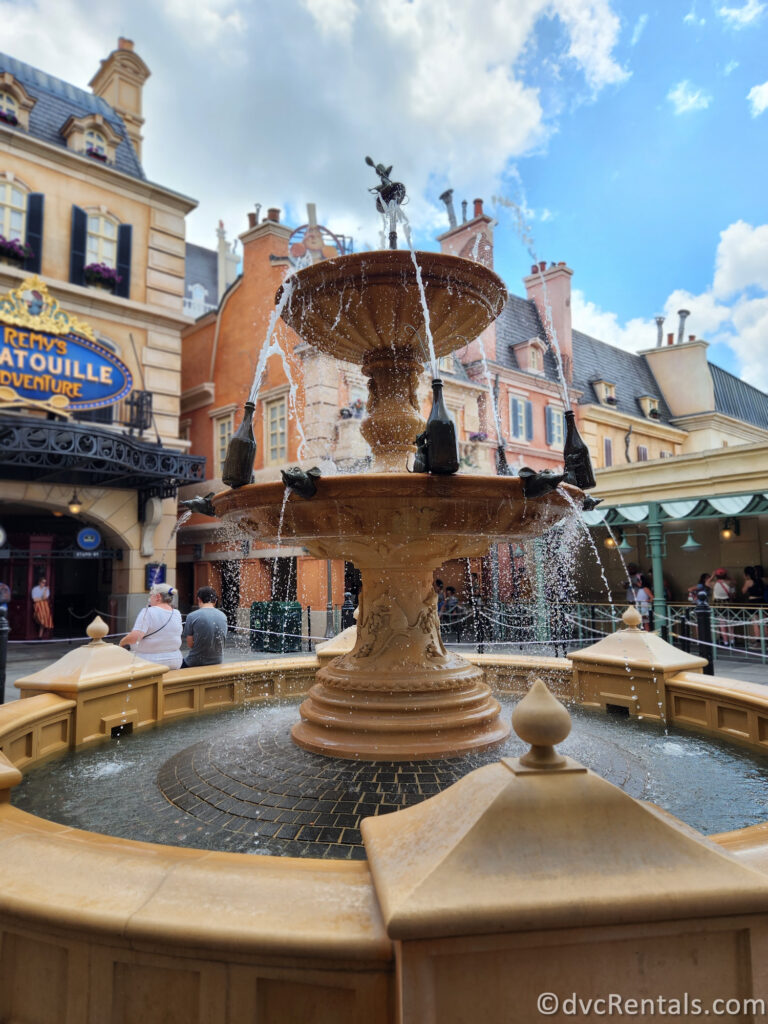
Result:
{"points": [[631, 134]]}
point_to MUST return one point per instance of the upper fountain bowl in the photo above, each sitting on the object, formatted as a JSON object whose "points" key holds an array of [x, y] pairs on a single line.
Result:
{"points": [[357, 304]]}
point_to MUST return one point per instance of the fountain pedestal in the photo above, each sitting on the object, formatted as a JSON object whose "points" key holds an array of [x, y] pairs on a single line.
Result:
{"points": [[399, 689]]}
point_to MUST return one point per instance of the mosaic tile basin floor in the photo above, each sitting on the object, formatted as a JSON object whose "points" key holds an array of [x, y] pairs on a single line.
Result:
{"points": [[234, 781]]}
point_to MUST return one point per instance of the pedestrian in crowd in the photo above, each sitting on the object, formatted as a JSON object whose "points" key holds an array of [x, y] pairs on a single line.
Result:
{"points": [[694, 590], [156, 633], [632, 583], [753, 592], [438, 585], [205, 631], [644, 598], [723, 591], [41, 608], [348, 610]]}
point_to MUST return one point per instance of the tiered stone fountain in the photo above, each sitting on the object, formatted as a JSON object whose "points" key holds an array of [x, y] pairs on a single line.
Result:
{"points": [[399, 694]]}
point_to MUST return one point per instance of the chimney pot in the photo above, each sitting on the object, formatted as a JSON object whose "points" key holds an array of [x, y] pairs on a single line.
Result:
{"points": [[447, 198], [691, 337], [543, 266], [124, 44], [464, 210], [670, 339], [273, 213], [478, 207], [251, 219], [534, 268], [682, 313]]}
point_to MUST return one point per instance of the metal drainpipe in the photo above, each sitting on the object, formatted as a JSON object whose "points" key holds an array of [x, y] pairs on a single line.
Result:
{"points": [[657, 565]]}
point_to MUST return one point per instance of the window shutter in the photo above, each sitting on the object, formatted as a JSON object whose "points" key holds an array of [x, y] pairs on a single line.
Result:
{"points": [[529, 421], [550, 425], [514, 405], [77, 245], [607, 451], [124, 237], [34, 237]]}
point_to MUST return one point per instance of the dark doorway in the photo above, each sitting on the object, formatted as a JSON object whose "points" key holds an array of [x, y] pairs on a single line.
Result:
{"points": [[353, 581]]}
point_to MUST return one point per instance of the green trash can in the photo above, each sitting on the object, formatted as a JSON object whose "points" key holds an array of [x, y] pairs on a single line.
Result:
{"points": [[277, 626]]}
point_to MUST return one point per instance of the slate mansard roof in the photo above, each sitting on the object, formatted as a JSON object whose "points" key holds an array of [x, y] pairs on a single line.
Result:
{"points": [[734, 397], [57, 101], [595, 360], [631, 374]]}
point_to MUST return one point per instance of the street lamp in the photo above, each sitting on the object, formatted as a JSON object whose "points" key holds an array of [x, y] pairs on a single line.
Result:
{"points": [[75, 505]]}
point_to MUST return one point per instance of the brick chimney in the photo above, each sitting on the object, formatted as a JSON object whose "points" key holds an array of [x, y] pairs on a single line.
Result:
{"points": [[550, 289], [120, 81], [473, 240]]}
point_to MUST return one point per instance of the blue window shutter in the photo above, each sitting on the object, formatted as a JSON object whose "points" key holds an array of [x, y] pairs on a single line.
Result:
{"points": [[550, 426], [124, 237], [34, 237], [77, 245], [529, 421]]}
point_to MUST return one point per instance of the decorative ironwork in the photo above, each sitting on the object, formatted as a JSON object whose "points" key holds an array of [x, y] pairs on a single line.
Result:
{"points": [[31, 306], [75, 453]]}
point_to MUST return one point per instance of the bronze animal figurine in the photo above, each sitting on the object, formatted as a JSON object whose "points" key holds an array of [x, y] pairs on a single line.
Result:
{"points": [[301, 482], [201, 505]]}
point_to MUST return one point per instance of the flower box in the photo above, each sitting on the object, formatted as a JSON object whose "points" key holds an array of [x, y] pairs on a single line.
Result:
{"points": [[97, 154], [14, 251], [610, 400], [100, 275], [8, 118]]}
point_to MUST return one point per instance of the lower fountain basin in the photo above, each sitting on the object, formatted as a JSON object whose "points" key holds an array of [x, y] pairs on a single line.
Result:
{"points": [[235, 782], [388, 519]]}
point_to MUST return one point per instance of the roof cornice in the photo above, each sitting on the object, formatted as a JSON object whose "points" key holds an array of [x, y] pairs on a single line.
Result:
{"points": [[86, 168]]}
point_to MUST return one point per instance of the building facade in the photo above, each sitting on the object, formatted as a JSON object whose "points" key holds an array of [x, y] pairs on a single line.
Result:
{"points": [[93, 277]]}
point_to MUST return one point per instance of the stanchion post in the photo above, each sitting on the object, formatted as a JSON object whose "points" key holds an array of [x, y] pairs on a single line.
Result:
{"points": [[3, 648], [704, 630]]}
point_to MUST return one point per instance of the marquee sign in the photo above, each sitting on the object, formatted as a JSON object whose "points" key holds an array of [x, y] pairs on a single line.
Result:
{"points": [[49, 358]]}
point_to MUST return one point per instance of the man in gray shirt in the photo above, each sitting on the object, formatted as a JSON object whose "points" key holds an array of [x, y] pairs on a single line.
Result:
{"points": [[205, 631]]}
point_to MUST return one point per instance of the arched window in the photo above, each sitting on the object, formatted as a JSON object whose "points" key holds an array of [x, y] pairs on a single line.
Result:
{"points": [[13, 209], [101, 244], [9, 108]]}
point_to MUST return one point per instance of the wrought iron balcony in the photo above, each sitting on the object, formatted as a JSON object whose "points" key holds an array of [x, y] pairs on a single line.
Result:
{"points": [[49, 451]]}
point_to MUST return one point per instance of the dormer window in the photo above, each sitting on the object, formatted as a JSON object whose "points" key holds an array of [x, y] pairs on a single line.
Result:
{"points": [[650, 406], [9, 109], [92, 136], [15, 102], [606, 391], [530, 355]]}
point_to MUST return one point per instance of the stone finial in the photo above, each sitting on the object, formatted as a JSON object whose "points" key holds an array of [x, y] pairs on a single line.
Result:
{"points": [[541, 720], [632, 618], [97, 630]]}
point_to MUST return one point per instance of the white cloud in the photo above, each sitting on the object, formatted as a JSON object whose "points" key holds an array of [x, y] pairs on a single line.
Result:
{"points": [[691, 18], [741, 261], [333, 17], [741, 17], [279, 103], [685, 97], [640, 24], [732, 311], [758, 98], [730, 67]]}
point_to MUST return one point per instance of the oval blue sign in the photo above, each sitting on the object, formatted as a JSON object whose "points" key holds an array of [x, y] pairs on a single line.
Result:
{"points": [[39, 365], [89, 538]]}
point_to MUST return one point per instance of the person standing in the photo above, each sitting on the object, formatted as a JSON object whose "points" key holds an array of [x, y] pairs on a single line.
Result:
{"points": [[723, 591], [41, 607], [205, 631], [156, 633], [644, 598]]}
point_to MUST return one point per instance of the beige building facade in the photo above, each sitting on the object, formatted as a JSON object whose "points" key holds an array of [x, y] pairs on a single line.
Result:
{"points": [[105, 249]]}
